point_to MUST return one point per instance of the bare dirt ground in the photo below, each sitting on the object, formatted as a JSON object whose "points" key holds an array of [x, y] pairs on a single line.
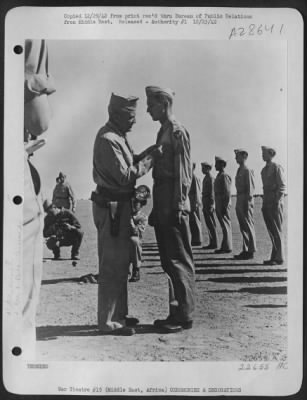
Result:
{"points": [[241, 311]]}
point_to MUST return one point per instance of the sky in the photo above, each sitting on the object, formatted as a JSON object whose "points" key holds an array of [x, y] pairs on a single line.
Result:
{"points": [[228, 95]]}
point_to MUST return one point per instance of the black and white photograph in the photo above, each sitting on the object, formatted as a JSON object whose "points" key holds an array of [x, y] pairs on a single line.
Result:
{"points": [[155, 223]]}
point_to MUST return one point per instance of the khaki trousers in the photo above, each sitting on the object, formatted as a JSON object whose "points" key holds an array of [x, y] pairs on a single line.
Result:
{"points": [[211, 225], [114, 260], [245, 215], [223, 215], [273, 218], [195, 227], [136, 251], [174, 243]]}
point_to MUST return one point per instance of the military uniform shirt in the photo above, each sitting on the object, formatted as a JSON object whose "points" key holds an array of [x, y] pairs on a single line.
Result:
{"points": [[113, 167], [222, 187], [63, 195], [208, 190], [244, 182], [175, 163], [194, 194], [53, 222], [273, 183], [140, 221]]}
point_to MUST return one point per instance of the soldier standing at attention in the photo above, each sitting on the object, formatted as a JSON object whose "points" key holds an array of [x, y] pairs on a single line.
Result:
{"points": [[208, 205], [274, 188], [172, 175], [195, 203], [245, 205], [222, 192], [63, 195], [115, 172]]}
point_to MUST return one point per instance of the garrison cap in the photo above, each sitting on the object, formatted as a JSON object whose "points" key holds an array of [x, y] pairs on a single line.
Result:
{"points": [[220, 159], [61, 175], [270, 150], [156, 90], [119, 103], [241, 151], [206, 164]]}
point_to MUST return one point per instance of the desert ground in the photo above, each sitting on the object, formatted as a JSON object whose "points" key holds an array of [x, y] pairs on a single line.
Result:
{"points": [[241, 306]]}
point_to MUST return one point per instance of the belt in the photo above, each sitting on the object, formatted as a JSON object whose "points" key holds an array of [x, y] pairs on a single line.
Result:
{"points": [[109, 195]]}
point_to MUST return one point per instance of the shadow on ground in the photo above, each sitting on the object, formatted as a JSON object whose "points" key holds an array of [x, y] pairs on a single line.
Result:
{"points": [[150, 253], [55, 331], [60, 280], [247, 279], [236, 271], [265, 305], [230, 264], [255, 290]]}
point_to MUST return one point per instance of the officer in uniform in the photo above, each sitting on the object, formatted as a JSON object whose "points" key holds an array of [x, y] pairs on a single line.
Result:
{"points": [[208, 204], [63, 195], [195, 203], [115, 170], [38, 85], [245, 205], [274, 188], [172, 175], [222, 192]]}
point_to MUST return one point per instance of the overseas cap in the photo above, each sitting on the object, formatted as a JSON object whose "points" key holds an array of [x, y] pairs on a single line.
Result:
{"points": [[61, 175], [241, 151], [206, 164], [156, 90], [270, 150], [119, 103], [220, 159]]}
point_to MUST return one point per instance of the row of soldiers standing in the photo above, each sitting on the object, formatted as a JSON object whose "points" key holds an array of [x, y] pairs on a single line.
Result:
{"points": [[216, 198]]}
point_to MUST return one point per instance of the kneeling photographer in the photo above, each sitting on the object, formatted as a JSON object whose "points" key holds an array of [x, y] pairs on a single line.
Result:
{"points": [[61, 228]]}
